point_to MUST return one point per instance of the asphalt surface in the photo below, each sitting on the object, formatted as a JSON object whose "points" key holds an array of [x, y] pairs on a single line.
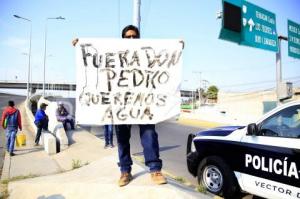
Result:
{"points": [[172, 143], [4, 98]]}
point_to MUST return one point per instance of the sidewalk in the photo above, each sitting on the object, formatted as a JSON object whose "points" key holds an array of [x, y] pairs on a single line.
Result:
{"points": [[96, 178], [29, 160]]}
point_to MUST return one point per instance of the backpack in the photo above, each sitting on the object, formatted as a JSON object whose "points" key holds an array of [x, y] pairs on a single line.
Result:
{"points": [[11, 121]]}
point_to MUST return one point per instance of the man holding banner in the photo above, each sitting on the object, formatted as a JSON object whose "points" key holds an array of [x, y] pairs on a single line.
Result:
{"points": [[149, 139], [125, 82]]}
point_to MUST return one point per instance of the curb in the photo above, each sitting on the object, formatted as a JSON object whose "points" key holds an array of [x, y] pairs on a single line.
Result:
{"points": [[198, 123], [140, 161], [29, 116], [185, 186], [6, 167]]}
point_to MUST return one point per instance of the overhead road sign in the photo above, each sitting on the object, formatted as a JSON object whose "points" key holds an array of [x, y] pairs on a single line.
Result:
{"points": [[258, 27], [293, 39], [250, 25]]}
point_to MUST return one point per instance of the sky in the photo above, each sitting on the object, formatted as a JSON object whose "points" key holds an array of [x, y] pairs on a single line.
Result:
{"points": [[229, 66]]}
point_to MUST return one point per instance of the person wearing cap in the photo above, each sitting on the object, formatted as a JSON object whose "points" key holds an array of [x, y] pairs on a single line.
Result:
{"points": [[41, 121], [148, 135], [62, 115], [11, 121]]}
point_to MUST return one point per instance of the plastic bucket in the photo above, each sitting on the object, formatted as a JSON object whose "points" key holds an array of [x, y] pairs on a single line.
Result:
{"points": [[20, 140]]}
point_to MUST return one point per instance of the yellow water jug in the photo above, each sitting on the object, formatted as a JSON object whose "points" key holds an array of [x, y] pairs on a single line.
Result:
{"points": [[20, 140]]}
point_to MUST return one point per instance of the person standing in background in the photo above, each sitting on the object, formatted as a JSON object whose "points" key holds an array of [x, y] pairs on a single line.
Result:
{"points": [[108, 135], [41, 122], [11, 121]]}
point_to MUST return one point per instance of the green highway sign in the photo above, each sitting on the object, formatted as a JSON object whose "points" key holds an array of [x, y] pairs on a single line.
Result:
{"points": [[231, 21], [258, 27], [294, 39]]}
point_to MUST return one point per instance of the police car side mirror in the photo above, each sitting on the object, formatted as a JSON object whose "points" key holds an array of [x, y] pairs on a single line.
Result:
{"points": [[252, 129]]}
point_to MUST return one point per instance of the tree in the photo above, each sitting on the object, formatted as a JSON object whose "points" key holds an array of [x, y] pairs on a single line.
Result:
{"points": [[212, 92]]}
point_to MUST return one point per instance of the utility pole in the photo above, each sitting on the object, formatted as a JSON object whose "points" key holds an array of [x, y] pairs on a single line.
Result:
{"points": [[137, 14], [279, 67], [199, 86], [192, 101]]}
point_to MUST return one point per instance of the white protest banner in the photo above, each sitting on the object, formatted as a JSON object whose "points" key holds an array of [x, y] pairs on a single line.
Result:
{"points": [[127, 81]]}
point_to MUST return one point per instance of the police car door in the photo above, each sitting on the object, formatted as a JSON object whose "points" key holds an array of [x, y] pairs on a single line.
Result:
{"points": [[272, 161]]}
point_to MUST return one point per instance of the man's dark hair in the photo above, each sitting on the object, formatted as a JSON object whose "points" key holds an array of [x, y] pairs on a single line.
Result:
{"points": [[131, 27], [11, 103]]}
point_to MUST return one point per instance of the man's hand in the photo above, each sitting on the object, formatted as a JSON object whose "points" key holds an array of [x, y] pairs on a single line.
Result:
{"points": [[75, 41]]}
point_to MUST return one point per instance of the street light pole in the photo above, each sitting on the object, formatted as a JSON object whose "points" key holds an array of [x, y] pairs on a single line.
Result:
{"points": [[137, 14], [29, 53], [199, 86], [279, 67], [45, 50]]}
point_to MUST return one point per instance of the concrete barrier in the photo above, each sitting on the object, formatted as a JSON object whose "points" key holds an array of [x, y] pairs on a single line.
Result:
{"points": [[61, 136], [55, 126], [49, 143]]}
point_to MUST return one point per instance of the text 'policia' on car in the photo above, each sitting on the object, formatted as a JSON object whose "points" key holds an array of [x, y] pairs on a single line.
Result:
{"points": [[262, 159]]}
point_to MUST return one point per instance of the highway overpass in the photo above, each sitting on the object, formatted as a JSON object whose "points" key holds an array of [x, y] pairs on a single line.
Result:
{"points": [[37, 85], [65, 86]]}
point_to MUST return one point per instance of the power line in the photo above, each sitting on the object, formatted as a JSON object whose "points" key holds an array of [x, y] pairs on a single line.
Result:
{"points": [[260, 82], [269, 67]]}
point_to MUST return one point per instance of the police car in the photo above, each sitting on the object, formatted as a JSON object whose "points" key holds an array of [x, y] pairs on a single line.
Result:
{"points": [[262, 158]]}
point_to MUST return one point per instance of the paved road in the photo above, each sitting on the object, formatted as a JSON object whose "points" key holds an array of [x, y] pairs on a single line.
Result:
{"points": [[172, 140], [4, 98]]}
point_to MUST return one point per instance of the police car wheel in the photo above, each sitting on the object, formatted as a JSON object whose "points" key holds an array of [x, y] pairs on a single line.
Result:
{"points": [[212, 178], [215, 176]]}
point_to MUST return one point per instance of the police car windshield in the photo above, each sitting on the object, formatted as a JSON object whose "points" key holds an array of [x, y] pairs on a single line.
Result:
{"points": [[285, 123]]}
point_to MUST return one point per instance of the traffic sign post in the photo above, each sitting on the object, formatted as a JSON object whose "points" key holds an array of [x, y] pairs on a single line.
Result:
{"points": [[258, 27], [294, 39]]}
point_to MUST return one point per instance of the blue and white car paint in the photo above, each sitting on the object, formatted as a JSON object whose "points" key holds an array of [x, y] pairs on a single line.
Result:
{"points": [[262, 158]]}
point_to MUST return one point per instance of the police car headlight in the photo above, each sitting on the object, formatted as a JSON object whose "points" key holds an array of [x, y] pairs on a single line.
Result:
{"points": [[193, 148]]}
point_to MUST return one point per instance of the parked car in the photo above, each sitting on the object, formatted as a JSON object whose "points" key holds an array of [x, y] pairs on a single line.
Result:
{"points": [[262, 158]]}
